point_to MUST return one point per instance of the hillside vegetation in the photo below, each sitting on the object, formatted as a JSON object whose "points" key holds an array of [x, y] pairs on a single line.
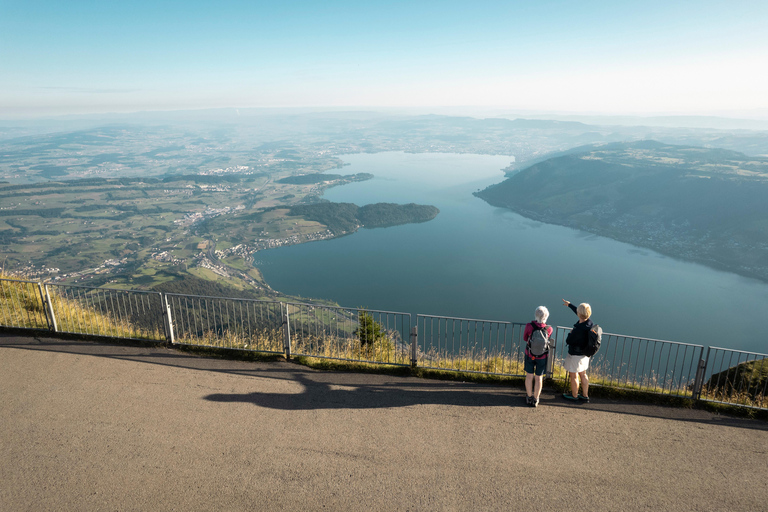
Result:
{"points": [[343, 218], [699, 204], [745, 382], [311, 179]]}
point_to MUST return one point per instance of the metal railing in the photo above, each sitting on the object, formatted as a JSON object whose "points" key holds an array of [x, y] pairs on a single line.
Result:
{"points": [[116, 313], [464, 344], [244, 324], [351, 334], [23, 305], [380, 337], [645, 364], [735, 377]]}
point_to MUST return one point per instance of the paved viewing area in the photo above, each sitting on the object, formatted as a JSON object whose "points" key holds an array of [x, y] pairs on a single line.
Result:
{"points": [[87, 426]]}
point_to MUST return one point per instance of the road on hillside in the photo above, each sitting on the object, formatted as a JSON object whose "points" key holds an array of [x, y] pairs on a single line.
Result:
{"points": [[86, 426]]}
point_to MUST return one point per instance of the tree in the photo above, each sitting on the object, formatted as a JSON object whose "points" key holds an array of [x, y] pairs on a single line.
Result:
{"points": [[369, 331]]}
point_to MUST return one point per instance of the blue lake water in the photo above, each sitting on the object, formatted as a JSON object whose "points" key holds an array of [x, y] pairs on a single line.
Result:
{"points": [[478, 261]]}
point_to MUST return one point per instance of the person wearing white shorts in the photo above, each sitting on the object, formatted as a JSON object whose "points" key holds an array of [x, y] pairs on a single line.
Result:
{"points": [[576, 363]]}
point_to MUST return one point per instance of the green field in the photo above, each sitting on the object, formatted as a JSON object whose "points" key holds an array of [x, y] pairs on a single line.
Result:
{"points": [[157, 231], [139, 233]]}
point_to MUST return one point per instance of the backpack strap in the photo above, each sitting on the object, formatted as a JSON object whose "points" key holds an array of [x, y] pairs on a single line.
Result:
{"points": [[542, 356], [533, 330]]}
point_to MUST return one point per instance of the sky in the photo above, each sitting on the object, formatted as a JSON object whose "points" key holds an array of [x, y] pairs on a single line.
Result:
{"points": [[598, 57]]}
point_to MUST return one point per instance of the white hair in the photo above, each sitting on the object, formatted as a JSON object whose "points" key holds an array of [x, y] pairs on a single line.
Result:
{"points": [[541, 314]]}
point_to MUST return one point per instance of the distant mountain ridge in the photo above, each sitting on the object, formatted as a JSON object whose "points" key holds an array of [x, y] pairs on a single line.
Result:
{"points": [[699, 204]]}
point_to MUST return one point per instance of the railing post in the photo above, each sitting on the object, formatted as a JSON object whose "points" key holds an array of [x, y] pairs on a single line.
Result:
{"points": [[551, 357], [45, 307], [286, 331], [48, 307], [168, 320], [701, 371], [414, 345]]}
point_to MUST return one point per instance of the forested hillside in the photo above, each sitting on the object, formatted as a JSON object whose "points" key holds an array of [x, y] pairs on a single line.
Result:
{"points": [[343, 218], [705, 205], [310, 179]]}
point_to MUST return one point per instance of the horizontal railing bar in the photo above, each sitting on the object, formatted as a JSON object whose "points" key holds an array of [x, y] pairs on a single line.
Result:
{"points": [[18, 281], [245, 299], [122, 290], [470, 319], [266, 301], [738, 351], [347, 309], [640, 338]]}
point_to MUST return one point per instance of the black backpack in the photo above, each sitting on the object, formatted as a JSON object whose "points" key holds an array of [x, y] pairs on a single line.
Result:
{"points": [[594, 338]]}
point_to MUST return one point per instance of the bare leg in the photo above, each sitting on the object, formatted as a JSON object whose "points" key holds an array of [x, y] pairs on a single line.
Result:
{"points": [[529, 384], [537, 387], [574, 384], [584, 383]]}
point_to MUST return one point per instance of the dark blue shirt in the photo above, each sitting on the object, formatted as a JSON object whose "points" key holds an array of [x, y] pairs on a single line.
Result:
{"points": [[579, 336]]}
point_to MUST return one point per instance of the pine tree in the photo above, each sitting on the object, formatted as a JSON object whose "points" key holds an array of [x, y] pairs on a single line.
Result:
{"points": [[369, 331]]}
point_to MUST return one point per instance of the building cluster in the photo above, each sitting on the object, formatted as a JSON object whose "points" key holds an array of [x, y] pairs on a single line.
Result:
{"points": [[32, 272], [235, 169], [188, 191], [246, 251], [241, 250], [194, 217], [267, 161], [110, 266], [272, 243], [166, 257], [214, 188], [204, 262], [189, 219]]}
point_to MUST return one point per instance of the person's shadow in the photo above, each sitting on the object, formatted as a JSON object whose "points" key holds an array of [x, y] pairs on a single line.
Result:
{"points": [[321, 395]]}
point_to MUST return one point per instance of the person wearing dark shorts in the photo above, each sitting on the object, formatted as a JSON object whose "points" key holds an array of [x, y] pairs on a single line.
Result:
{"points": [[535, 364]]}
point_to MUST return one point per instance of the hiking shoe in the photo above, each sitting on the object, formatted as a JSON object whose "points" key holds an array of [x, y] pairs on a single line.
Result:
{"points": [[569, 396], [583, 398]]}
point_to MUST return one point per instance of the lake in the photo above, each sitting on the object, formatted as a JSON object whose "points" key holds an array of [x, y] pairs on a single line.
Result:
{"points": [[478, 261]]}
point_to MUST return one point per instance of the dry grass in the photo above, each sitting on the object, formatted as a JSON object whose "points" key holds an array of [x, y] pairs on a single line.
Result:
{"points": [[22, 306], [735, 398], [468, 361], [266, 340], [73, 316], [385, 350]]}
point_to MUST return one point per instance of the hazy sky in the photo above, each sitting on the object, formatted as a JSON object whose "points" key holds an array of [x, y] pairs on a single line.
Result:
{"points": [[74, 56]]}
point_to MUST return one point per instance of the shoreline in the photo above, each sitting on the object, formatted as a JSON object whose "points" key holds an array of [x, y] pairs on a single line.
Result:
{"points": [[713, 265]]}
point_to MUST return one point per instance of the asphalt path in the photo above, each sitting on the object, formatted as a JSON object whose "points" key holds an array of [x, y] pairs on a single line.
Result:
{"points": [[90, 426]]}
